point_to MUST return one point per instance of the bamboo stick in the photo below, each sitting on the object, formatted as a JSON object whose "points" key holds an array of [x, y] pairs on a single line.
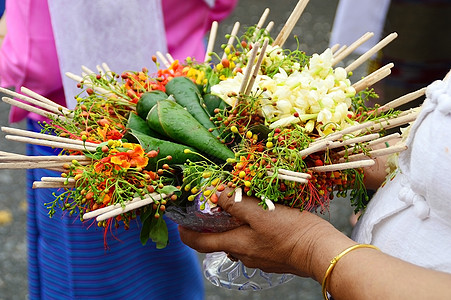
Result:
{"points": [[232, 37], [384, 139], [269, 204], [52, 185], [372, 78], [315, 148], [292, 178], [52, 106], [347, 50], [51, 158], [375, 153], [334, 48], [249, 66], [250, 85], [163, 59], [86, 81], [339, 51], [4, 153], [359, 139], [97, 212], [344, 166], [211, 41], [57, 179], [129, 207], [170, 58], [107, 70], [291, 22], [402, 100], [261, 21], [367, 55], [289, 177], [269, 27], [27, 133], [45, 100], [30, 108], [74, 77], [53, 144], [238, 194], [394, 122], [338, 134], [293, 173], [371, 143], [30, 165], [87, 70]]}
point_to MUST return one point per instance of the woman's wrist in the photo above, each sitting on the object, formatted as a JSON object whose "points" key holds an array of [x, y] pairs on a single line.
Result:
{"points": [[314, 250], [329, 243]]}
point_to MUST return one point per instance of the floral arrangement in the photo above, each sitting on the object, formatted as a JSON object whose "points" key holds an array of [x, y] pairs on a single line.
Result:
{"points": [[263, 120]]}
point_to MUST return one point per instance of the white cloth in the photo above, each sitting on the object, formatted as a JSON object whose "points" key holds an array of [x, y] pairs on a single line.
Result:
{"points": [[410, 217], [122, 34], [357, 17]]}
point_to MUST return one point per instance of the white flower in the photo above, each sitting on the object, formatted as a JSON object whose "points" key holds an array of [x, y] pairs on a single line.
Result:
{"points": [[316, 93]]}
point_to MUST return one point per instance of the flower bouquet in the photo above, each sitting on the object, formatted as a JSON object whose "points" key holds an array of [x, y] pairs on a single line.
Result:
{"points": [[269, 122]]}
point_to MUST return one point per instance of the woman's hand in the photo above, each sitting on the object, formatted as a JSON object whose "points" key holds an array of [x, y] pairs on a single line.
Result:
{"points": [[280, 241]]}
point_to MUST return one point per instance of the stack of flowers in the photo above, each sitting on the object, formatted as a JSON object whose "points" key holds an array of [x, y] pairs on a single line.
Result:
{"points": [[263, 120]]}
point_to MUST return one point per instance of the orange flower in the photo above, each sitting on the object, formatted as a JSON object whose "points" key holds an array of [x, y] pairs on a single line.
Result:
{"points": [[135, 157]]}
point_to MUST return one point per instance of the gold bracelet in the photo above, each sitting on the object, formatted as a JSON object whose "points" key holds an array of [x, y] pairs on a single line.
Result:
{"points": [[334, 261]]}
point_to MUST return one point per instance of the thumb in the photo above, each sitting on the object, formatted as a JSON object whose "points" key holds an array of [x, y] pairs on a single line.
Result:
{"points": [[242, 207]]}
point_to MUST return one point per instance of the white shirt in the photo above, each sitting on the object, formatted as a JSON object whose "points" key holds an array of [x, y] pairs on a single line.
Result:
{"points": [[410, 217]]}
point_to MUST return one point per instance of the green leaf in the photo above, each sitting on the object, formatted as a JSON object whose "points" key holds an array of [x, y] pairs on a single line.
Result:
{"points": [[168, 189], [159, 232], [145, 230]]}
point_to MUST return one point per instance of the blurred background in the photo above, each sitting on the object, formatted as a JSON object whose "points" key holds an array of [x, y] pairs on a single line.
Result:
{"points": [[313, 30]]}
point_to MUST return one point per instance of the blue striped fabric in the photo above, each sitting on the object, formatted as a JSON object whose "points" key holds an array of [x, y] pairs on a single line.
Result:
{"points": [[67, 259]]}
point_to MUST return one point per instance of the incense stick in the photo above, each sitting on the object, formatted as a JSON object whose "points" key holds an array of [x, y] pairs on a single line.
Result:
{"points": [[372, 78], [250, 85], [45, 100], [291, 22], [163, 59], [108, 208], [238, 194], [30, 108], [261, 21], [347, 50], [375, 153], [367, 55], [211, 41], [344, 166], [53, 144], [249, 66], [27, 133], [232, 37], [269, 27], [130, 206], [51, 185], [289, 177], [395, 122], [402, 100], [293, 173]]}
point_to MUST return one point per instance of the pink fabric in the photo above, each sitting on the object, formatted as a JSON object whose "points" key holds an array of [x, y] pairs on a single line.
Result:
{"points": [[28, 56], [187, 22]]}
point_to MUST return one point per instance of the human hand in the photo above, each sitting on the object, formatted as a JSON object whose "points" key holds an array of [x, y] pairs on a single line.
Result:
{"points": [[280, 241]]}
